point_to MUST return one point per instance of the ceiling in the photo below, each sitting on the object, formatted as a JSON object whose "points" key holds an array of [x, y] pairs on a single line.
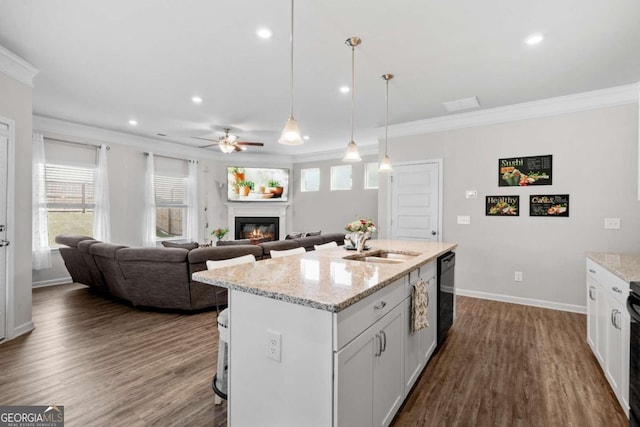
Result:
{"points": [[104, 63]]}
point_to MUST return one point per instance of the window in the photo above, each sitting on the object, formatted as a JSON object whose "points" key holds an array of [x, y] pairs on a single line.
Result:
{"points": [[341, 177], [310, 179], [371, 176], [70, 202], [171, 207]]}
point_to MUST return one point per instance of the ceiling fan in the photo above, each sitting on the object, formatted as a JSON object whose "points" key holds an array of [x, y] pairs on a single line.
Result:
{"points": [[229, 143]]}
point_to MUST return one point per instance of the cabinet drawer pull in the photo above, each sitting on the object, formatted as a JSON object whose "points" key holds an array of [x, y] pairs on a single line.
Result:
{"points": [[591, 270], [616, 289], [379, 305]]}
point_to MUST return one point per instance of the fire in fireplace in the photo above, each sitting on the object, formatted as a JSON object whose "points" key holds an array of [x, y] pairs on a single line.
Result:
{"points": [[257, 228]]}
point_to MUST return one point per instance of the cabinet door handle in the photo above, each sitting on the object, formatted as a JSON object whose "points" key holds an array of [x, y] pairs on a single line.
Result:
{"points": [[613, 312], [379, 342], [384, 341], [427, 299], [618, 317], [379, 305], [616, 289], [591, 270], [591, 294]]}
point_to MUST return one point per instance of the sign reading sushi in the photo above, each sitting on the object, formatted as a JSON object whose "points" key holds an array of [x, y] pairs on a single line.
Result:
{"points": [[502, 206], [549, 205], [521, 171]]}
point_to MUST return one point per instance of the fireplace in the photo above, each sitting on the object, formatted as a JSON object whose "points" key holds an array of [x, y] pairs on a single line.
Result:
{"points": [[257, 228]]}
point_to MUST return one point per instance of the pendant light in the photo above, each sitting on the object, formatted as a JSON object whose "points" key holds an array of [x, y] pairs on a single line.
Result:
{"points": [[352, 155], [385, 164], [291, 132]]}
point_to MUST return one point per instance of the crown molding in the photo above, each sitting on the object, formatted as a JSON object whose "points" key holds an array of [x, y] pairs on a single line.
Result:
{"points": [[14, 66], [364, 150], [592, 100], [76, 132]]}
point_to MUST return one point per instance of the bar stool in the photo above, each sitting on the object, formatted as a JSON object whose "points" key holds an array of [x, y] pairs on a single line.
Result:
{"points": [[220, 379]]}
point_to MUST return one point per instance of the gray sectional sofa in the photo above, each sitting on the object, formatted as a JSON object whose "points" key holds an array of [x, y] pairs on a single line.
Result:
{"points": [[161, 277]]}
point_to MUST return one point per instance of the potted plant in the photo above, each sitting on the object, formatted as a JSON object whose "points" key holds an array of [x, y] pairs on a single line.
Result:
{"points": [[275, 188], [219, 233], [245, 187]]}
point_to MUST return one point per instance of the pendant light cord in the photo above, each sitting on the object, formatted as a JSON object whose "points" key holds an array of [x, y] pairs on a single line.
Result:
{"points": [[291, 58], [386, 119], [353, 83]]}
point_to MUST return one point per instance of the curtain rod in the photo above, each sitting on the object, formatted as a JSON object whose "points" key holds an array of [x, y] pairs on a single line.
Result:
{"points": [[83, 144], [169, 157]]}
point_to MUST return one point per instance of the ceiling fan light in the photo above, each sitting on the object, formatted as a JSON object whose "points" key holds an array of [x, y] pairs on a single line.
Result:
{"points": [[385, 165], [226, 148], [291, 133], [352, 155]]}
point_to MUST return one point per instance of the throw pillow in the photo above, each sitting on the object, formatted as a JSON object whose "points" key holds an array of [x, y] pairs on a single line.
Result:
{"points": [[313, 233], [188, 246], [294, 236]]}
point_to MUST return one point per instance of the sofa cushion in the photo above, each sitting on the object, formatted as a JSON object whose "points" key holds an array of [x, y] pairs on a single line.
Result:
{"points": [[292, 236], [333, 237], [152, 254], [278, 245], [71, 240], [233, 242], [106, 250], [309, 242], [188, 246], [216, 253], [84, 245], [312, 233]]}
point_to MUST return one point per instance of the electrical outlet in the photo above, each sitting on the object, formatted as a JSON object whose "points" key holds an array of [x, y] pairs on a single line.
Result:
{"points": [[612, 223], [274, 345], [471, 194], [517, 276], [464, 220]]}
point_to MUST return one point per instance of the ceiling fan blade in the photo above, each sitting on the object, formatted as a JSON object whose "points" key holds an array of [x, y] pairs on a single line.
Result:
{"points": [[257, 144], [237, 148], [207, 146]]}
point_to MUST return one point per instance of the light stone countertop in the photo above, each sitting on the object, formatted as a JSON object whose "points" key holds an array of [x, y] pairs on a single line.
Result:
{"points": [[324, 279], [625, 266]]}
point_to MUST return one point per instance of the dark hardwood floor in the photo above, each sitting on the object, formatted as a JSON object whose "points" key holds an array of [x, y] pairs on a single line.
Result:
{"points": [[110, 364]]}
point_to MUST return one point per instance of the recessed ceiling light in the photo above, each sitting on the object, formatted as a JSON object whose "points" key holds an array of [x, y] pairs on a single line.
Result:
{"points": [[133, 122], [264, 33], [196, 99], [306, 137], [344, 89], [534, 39]]}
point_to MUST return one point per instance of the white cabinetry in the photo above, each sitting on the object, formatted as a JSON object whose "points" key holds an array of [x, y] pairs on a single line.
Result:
{"points": [[608, 327], [420, 345]]}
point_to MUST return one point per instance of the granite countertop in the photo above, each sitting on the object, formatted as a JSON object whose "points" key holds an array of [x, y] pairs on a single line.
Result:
{"points": [[324, 279], [625, 266]]}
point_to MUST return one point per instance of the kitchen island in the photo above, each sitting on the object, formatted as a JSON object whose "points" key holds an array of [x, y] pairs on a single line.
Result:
{"points": [[323, 338]]}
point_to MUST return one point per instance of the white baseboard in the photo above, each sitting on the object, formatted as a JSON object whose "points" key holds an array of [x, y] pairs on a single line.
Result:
{"points": [[523, 301], [23, 329], [51, 282]]}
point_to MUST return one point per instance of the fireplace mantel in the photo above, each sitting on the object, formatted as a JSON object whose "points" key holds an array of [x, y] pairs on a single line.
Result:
{"points": [[258, 209]]}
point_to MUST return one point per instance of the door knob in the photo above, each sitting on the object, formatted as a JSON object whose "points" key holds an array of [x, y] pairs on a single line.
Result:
{"points": [[433, 233], [4, 243]]}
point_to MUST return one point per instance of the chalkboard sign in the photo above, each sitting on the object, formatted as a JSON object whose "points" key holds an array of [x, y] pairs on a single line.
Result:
{"points": [[522, 171], [502, 206], [549, 205]]}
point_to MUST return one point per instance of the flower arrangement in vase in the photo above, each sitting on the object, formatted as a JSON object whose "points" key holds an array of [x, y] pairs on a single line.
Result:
{"points": [[219, 233], [360, 231]]}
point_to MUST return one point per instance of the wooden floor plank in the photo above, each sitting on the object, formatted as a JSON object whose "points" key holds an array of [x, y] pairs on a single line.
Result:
{"points": [[111, 364]]}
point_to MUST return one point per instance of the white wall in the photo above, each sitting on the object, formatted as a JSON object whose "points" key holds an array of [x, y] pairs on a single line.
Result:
{"points": [[329, 211], [594, 161], [15, 104]]}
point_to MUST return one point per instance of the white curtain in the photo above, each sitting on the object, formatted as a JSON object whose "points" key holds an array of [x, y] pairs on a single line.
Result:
{"points": [[41, 254], [102, 210], [149, 219], [191, 199]]}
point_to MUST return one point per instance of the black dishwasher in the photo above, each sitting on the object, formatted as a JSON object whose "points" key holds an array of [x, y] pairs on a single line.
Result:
{"points": [[446, 294]]}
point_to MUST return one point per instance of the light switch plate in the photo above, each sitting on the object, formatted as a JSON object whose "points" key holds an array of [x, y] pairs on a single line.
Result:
{"points": [[471, 194], [466, 220], [612, 223]]}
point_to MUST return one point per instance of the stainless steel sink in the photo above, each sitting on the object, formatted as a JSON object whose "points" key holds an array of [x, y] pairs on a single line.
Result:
{"points": [[383, 257]]}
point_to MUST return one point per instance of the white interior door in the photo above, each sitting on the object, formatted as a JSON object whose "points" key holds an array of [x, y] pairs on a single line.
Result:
{"points": [[4, 148], [415, 202]]}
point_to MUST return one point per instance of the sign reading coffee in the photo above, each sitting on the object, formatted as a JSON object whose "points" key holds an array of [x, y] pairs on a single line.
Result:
{"points": [[549, 205], [521, 171], [502, 206]]}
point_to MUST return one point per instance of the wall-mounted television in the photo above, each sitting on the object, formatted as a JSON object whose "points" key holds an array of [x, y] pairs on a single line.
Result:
{"points": [[257, 184]]}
